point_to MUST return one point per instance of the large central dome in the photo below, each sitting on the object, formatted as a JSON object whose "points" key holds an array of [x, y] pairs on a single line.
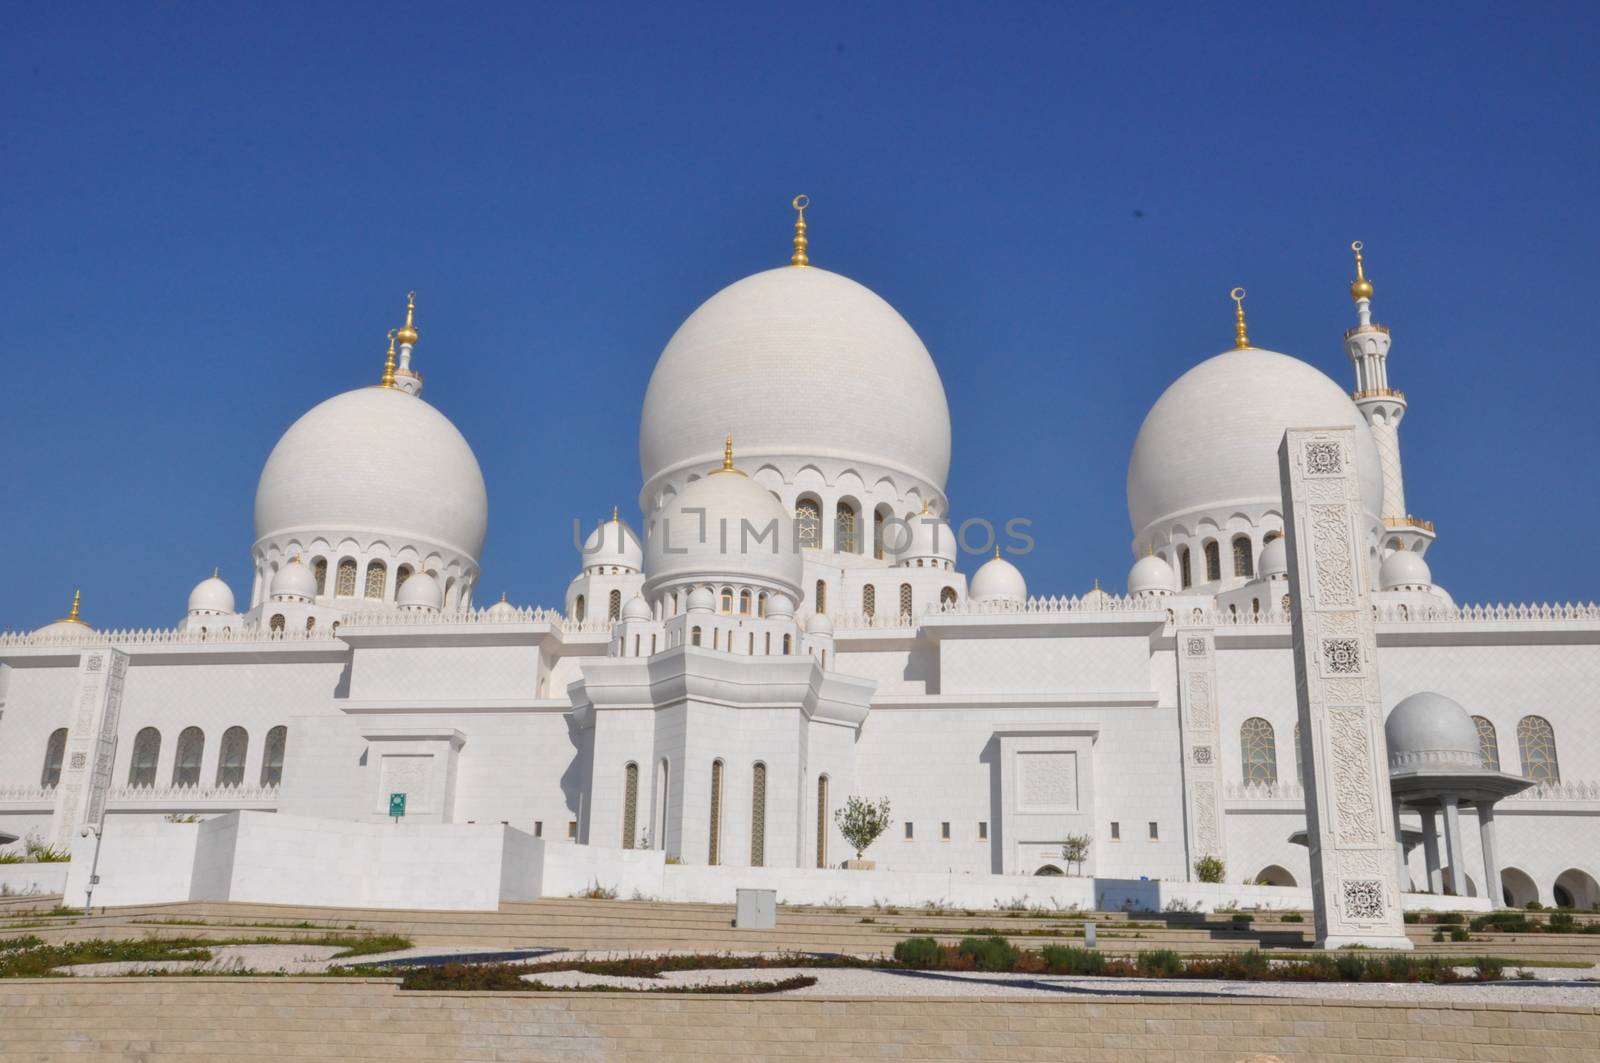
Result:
{"points": [[800, 365]]}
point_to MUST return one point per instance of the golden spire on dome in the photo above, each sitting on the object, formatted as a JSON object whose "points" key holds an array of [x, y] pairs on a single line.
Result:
{"points": [[1240, 339], [727, 457], [407, 333], [997, 551], [388, 364], [1360, 288], [800, 203], [613, 514], [72, 615], [216, 572]]}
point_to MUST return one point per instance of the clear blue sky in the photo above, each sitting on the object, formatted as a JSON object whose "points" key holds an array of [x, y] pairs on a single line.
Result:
{"points": [[210, 214]]}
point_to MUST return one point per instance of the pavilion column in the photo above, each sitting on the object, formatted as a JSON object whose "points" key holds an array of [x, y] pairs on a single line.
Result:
{"points": [[1457, 882], [1430, 850], [1491, 870], [1400, 851]]}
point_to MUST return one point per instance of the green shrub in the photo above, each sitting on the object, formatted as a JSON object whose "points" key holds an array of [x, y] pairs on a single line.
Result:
{"points": [[1350, 966], [1561, 922], [1252, 966], [1208, 869], [990, 953], [1535, 906], [1449, 918], [922, 954], [1292, 917], [1159, 963], [1489, 968], [1505, 922], [1459, 933], [11, 856], [1241, 919], [1067, 959], [1438, 935], [1412, 917]]}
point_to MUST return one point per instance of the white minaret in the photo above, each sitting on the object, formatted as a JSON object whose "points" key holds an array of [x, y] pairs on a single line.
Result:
{"points": [[1368, 347]]}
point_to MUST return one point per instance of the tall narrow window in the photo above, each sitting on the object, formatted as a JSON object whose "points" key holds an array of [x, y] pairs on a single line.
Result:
{"points": [[1488, 743], [1258, 751], [758, 815], [761, 605], [377, 577], [311, 623], [1242, 562], [319, 568], [744, 603], [808, 523], [844, 528], [578, 608], [1536, 742], [614, 605], [714, 847], [272, 756], [725, 601], [401, 574], [905, 599], [191, 747], [663, 796], [146, 752], [345, 586], [947, 597], [630, 805], [869, 601], [55, 752], [877, 535], [1213, 561], [694, 636], [230, 761], [822, 821], [1299, 759], [822, 596], [788, 645], [1183, 567]]}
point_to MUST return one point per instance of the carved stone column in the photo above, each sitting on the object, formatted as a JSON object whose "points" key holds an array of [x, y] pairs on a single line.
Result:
{"points": [[91, 744], [1349, 811], [1202, 751]]}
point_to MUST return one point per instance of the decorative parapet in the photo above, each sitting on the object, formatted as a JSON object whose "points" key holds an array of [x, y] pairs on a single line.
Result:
{"points": [[1562, 790], [1378, 393], [27, 794], [162, 637], [1266, 791], [191, 794], [1408, 521], [390, 618], [1441, 614]]}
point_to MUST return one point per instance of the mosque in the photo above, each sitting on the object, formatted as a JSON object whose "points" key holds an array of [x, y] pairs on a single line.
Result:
{"points": [[788, 624]]}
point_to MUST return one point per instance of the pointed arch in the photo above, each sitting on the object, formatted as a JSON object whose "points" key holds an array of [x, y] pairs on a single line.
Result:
{"points": [[1488, 743], [272, 755], [191, 750], [55, 754], [1258, 751], [146, 754], [230, 758], [1536, 744]]}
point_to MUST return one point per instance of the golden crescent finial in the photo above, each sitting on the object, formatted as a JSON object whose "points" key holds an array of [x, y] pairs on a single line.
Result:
{"points": [[388, 362], [408, 332], [800, 203], [1360, 288], [1240, 339]]}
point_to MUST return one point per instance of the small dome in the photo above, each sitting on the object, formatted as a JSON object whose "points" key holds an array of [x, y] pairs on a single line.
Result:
{"points": [[613, 543], [1404, 570], [998, 580], [780, 605], [723, 527], [701, 600], [819, 624], [1094, 597], [70, 628], [211, 595], [1431, 730], [636, 609], [929, 538], [294, 580], [421, 591], [501, 611], [1275, 559], [1151, 575]]}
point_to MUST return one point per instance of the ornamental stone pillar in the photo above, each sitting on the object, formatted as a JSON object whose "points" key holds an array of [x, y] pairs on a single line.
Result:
{"points": [[1202, 752], [91, 744], [1355, 885]]}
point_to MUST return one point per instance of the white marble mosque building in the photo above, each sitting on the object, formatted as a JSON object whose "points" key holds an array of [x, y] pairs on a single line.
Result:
{"points": [[788, 623]]}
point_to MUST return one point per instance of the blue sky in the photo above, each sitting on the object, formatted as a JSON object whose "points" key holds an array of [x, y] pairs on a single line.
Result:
{"points": [[210, 215]]}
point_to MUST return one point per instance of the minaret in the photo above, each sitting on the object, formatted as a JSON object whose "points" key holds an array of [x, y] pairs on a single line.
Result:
{"points": [[407, 379], [1368, 347]]}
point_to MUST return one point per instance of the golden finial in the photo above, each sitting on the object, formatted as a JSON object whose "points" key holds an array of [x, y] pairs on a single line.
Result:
{"points": [[997, 551], [408, 332], [800, 203], [1240, 340], [503, 598], [72, 615], [1097, 583], [1360, 288], [925, 506], [216, 572], [388, 364], [727, 457], [613, 514]]}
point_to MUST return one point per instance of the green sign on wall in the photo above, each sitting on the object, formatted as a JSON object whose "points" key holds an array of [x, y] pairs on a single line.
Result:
{"points": [[397, 805]]}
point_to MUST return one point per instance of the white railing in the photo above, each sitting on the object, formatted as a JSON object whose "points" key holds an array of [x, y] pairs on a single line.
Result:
{"points": [[185, 794], [164, 637], [388, 618], [1266, 791]]}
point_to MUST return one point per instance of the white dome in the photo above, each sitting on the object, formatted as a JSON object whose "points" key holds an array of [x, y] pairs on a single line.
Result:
{"points": [[1209, 446], [211, 595], [929, 538], [636, 609], [701, 600], [375, 463], [780, 605], [294, 580], [501, 611], [420, 591], [998, 580], [1431, 729], [1275, 559], [799, 364], [613, 543], [1152, 575], [819, 624], [723, 527], [1404, 570], [64, 631]]}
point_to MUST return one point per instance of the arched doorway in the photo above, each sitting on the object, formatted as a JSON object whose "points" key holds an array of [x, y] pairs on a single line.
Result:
{"points": [[1274, 875], [1576, 889], [1049, 869], [1466, 888], [1518, 888]]}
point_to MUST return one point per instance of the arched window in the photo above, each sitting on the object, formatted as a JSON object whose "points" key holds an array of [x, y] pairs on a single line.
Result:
{"points": [[663, 796], [55, 752], [714, 848], [761, 605], [1258, 751], [1299, 763], [725, 601], [822, 821], [345, 585], [614, 605], [1488, 743], [1184, 575], [822, 596], [869, 601], [377, 576], [630, 805], [1213, 561], [758, 815], [947, 597], [877, 535], [578, 609], [276, 624], [744, 603], [186, 767], [230, 761], [146, 752], [716, 639], [905, 599], [808, 523], [272, 756], [401, 574], [788, 645], [1536, 742], [311, 623], [844, 528], [694, 636], [1242, 564], [319, 568]]}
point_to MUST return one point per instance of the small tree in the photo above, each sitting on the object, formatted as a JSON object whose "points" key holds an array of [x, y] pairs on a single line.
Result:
{"points": [[1075, 850], [861, 821], [1208, 869]]}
